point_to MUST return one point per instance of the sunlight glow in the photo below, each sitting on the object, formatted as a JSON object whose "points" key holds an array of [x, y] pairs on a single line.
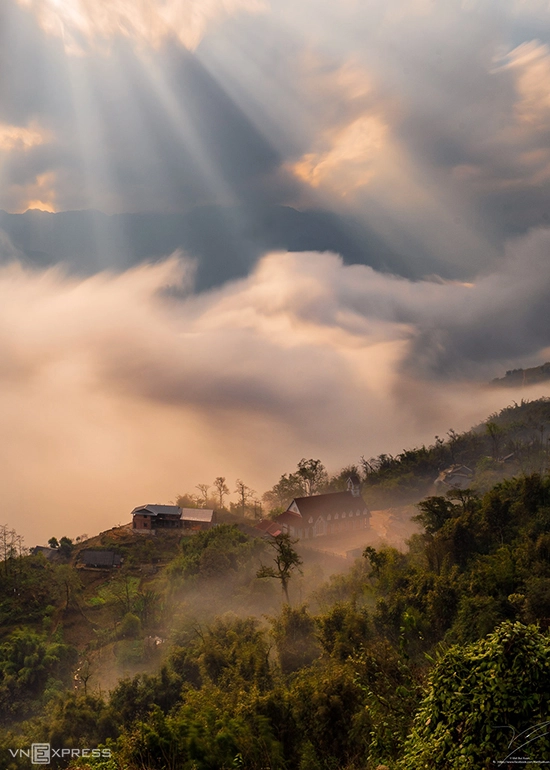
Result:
{"points": [[349, 163], [88, 21], [19, 137]]}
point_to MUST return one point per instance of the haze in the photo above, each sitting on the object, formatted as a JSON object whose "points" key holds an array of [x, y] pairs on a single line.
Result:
{"points": [[307, 230]]}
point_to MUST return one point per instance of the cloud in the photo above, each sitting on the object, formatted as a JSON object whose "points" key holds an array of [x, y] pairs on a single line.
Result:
{"points": [[128, 131], [124, 389], [349, 163], [84, 22], [417, 116], [427, 122], [20, 137]]}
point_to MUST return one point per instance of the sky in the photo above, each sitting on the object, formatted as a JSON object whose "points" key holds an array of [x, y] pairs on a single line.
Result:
{"points": [[307, 229]]}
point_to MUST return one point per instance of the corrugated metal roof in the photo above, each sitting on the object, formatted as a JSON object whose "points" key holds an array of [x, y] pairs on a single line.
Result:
{"points": [[155, 510], [100, 558], [197, 514]]}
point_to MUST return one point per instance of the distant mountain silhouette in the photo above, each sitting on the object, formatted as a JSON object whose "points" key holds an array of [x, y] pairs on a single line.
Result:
{"points": [[516, 377], [226, 242]]}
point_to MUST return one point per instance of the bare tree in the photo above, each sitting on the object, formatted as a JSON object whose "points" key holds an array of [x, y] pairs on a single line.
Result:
{"points": [[203, 489], [11, 544], [221, 488], [84, 673], [245, 493], [257, 507]]}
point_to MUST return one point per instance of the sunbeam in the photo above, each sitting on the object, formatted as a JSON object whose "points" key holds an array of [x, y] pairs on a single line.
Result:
{"points": [[85, 22]]}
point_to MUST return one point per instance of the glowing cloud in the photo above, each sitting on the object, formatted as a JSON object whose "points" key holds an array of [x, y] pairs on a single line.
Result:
{"points": [[146, 22], [39, 193], [350, 162], [531, 64], [117, 391], [21, 137]]}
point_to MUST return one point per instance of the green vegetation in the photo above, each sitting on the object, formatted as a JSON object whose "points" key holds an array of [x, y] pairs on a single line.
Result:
{"points": [[189, 658], [479, 697], [514, 441], [286, 562]]}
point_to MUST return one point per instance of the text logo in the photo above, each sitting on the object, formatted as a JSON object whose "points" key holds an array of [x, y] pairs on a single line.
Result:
{"points": [[40, 753]]}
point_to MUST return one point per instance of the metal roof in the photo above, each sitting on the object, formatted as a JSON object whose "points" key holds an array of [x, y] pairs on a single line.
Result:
{"points": [[155, 510], [197, 514], [100, 558]]}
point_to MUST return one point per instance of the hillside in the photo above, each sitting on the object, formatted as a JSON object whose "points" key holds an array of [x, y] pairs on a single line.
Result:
{"points": [[183, 658], [510, 442], [522, 377], [334, 682]]}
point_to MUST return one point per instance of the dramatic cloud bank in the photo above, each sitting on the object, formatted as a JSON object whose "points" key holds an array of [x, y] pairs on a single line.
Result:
{"points": [[408, 135], [429, 122], [124, 389]]}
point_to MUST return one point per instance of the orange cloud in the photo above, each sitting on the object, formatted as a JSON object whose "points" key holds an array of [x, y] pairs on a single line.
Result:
{"points": [[21, 137], [38, 194], [530, 62], [351, 159]]}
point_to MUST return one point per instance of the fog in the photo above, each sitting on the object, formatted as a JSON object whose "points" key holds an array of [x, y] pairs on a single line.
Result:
{"points": [[123, 389]]}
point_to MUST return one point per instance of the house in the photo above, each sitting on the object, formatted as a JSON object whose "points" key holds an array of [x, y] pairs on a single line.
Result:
{"points": [[150, 518], [329, 514], [101, 559], [268, 527], [197, 519], [454, 477], [47, 553]]}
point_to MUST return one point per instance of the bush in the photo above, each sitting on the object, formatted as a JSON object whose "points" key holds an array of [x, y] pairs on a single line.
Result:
{"points": [[502, 680]]}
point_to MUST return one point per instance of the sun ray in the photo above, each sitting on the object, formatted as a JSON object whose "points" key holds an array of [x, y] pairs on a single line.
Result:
{"points": [[87, 22]]}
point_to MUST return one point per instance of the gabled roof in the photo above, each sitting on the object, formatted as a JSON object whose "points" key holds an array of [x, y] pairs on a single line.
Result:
{"points": [[48, 553], [269, 527], [155, 510], [100, 558], [289, 517], [197, 514], [323, 505], [264, 525]]}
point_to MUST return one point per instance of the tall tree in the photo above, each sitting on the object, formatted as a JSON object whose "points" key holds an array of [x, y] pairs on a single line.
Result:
{"points": [[68, 582], [245, 493], [286, 561], [203, 497], [286, 489], [313, 475], [309, 479], [221, 488], [66, 546]]}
